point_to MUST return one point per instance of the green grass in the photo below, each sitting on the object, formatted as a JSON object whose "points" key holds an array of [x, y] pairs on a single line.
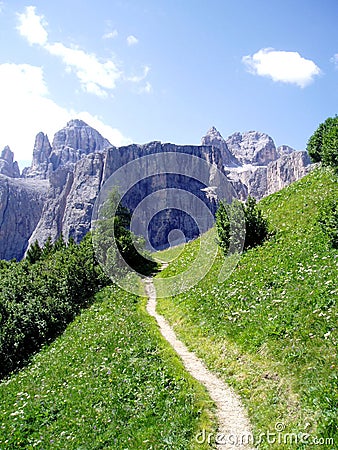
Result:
{"points": [[270, 330], [109, 382]]}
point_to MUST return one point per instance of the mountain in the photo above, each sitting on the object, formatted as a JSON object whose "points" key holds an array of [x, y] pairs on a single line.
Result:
{"points": [[56, 194], [8, 166], [214, 138], [255, 166], [21, 206], [74, 141], [252, 147]]}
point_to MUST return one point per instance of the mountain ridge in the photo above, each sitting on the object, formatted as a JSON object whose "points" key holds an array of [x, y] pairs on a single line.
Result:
{"points": [[70, 172]]}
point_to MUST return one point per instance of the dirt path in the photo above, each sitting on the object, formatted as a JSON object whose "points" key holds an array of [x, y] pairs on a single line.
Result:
{"points": [[233, 426]]}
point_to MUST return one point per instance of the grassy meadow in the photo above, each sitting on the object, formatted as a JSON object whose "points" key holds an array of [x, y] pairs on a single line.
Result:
{"points": [[108, 382], [270, 329]]}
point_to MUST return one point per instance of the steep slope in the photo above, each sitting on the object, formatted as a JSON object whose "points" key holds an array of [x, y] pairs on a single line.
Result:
{"points": [[271, 328], [108, 382], [21, 205]]}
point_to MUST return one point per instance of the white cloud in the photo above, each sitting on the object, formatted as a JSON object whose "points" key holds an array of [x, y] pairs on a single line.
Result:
{"points": [[283, 66], [334, 60], [95, 77], [138, 78], [146, 89], [27, 109], [32, 27], [132, 40], [110, 35]]}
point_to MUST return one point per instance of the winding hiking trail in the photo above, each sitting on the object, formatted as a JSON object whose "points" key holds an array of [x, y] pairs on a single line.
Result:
{"points": [[233, 425]]}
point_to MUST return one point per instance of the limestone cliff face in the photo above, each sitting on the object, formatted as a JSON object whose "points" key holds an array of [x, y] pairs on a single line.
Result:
{"points": [[290, 167], [57, 193], [72, 194], [261, 169], [21, 204], [40, 162]]}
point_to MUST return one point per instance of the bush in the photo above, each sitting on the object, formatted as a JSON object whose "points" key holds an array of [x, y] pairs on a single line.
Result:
{"points": [[323, 144], [236, 223], [115, 244], [38, 300]]}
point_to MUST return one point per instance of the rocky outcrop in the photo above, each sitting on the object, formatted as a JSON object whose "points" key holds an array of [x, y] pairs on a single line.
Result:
{"points": [[21, 204], [287, 169], [252, 147], [40, 162], [214, 138], [69, 145], [8, 166], [283, 150], [74, 141], [260, 167]]}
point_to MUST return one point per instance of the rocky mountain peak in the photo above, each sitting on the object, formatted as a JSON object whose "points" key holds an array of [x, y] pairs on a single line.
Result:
{"points": [[69, 145], [252, 147], [214, 133], [8, 166], [42, 149], [40, 161], [283, 150], [7, 155], [214, 138], [79, 138], [76, 123]]}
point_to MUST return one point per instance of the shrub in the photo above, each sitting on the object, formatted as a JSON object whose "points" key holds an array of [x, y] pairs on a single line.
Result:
{"points": [[115, 244], [323, 144], [38, 300], [237, 223]]}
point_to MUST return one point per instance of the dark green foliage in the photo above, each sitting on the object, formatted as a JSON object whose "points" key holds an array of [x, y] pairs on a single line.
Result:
{"points": [[34, 253], [236, 223], [256, 226], [328, 220], [59, 244], [112, 228], [323, 144], [48, 248], [230, 225], [38, 300]]}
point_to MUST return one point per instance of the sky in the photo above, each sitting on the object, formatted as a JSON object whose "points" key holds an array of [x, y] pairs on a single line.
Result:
{"points": [[146, 70]]}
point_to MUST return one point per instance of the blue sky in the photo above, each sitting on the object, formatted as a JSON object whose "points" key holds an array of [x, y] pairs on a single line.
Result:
{"points": [[143, 70]]}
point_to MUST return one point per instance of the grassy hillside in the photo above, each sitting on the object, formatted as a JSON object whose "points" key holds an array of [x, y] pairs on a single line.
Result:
{"points": [[109, 382], [270, 330]]}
